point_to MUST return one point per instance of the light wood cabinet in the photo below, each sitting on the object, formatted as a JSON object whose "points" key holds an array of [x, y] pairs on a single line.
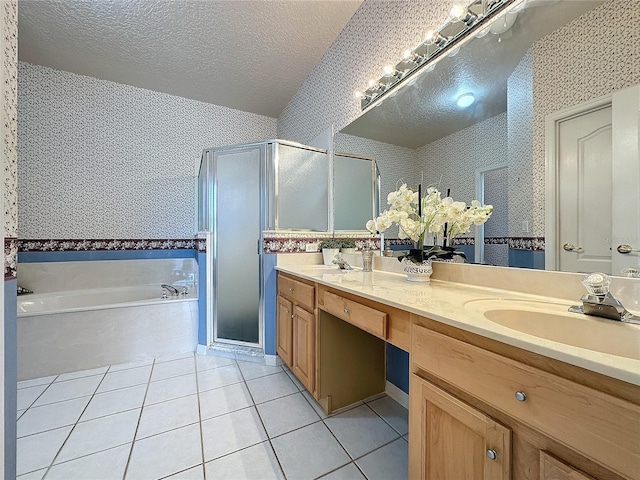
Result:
{"points": [[284, 330], [296, 328], [553, 469], [450, 439], [304, 347]]}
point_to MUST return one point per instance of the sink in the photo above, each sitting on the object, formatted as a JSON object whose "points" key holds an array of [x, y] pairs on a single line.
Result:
{"points": [[552, 321]]}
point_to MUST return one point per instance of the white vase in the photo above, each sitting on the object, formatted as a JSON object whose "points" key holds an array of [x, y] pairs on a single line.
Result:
{"points": [[348, 250], [328, 254], [417, 272]]}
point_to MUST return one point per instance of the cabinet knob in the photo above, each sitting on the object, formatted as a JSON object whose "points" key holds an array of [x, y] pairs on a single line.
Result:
{"points": [[521, 396], [492, 454], [286, 310], [346, 310], [291, 289]]}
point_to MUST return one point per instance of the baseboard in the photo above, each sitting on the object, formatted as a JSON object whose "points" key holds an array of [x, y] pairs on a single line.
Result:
{"points": [[397, 394], [273, 360]]}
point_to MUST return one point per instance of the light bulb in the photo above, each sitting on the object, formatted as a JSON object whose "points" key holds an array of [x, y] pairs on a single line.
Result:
{"points": [[407, 55], [372, 83], [465, 100], [431, 36], [359, 94], [389, 69], [457, 12]]}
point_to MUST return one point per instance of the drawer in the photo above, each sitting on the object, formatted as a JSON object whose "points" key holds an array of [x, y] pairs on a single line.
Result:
{"points": [[301, 293], [603, 428], [367, 318]]}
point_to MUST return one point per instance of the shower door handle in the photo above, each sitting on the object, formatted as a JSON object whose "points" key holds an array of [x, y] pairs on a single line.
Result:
{"points": [[624, 249], [570, 247]]}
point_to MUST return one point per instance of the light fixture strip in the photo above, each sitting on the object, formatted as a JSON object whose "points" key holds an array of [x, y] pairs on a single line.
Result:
{"points": [[395, 77]]}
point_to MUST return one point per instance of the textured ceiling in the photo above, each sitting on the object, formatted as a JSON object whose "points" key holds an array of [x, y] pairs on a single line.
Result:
{"points": [[251, 55], [426, 111]]}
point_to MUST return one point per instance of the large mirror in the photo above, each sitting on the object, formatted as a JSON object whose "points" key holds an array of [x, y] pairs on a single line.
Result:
{"points": [[548, 62]]}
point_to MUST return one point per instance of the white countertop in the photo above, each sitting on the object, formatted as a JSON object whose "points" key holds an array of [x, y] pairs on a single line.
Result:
{"points": [[456, 304]]}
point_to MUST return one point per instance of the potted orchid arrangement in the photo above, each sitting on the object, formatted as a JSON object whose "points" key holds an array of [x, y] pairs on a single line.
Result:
{"points": [[422, 217]]}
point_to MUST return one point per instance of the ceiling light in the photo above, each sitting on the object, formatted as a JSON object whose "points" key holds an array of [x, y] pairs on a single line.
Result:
{"points": [[465, 100]]}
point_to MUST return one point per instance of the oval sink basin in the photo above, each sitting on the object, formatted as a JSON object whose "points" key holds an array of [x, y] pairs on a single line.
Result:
{"points": [[592, 333]]}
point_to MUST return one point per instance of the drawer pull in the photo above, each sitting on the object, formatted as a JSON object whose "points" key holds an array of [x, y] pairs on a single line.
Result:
{"points": [[291, 289], [346, 310], [492, 454], [521, 396]]}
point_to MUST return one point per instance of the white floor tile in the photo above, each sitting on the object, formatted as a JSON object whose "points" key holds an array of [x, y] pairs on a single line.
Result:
{"points": [[175, 356], [295, 380], [105, 465], [37, 475], [114, 401], [254, 370], [207, 362], [360, 430], [60, 391], [253, 463], [150, 458], [125, 378], [224, 400], [309, 452], [81, 373], [36, 381], [231, 432], [174, 368], [127, 366], [315, 405], [37, 451], [268, 388], [393, 413], [195, 473], [348, 472], [52, 416], [171, 388], [26, 396], [100, 434], [218, 377], [165, 416], [286, 413], [390, 461]]}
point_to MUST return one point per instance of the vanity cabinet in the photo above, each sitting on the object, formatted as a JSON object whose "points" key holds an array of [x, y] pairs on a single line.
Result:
{"points": [[296, 328], [551, 417], [456, 440]]}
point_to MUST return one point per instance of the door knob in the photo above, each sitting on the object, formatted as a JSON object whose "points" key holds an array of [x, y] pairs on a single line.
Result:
{"points": [[624, 248], [570, 247]]}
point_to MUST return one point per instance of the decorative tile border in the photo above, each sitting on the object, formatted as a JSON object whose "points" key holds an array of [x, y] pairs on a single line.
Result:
{"points": [[10, 258], [535, 244], [67, 245], [296, 242]]}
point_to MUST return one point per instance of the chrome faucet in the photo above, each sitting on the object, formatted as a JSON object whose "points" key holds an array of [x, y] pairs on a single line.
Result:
{"points": [[600, 303], [341, 262], [173, 290]]}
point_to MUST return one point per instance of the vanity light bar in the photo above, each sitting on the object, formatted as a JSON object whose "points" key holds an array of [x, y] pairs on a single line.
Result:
{"points": [[434, 46]]}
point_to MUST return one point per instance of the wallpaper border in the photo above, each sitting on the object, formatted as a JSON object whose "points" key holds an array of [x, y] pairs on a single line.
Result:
{"points": [[77, 245], [10, 258]]}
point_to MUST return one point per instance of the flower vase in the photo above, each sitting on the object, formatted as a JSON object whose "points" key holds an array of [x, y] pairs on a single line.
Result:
{"points": [[417, 272], [328, 254]]}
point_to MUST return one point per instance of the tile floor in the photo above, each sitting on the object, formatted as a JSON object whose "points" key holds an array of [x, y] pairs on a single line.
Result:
{"points": [[200, 417]]}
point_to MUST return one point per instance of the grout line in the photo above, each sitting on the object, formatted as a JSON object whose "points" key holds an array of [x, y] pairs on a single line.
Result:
{"points": [[74, 427], [133, 440], [204, 470], [384, 420]]}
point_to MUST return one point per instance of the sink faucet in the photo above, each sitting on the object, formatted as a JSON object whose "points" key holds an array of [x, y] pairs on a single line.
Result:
{"points": [[600, 303], [341, 262]]}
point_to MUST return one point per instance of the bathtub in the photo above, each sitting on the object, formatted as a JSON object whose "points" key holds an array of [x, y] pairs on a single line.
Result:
{"points": [[61, 332]]}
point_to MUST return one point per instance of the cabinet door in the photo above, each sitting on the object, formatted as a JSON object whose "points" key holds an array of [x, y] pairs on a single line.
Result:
{"points": [[304, 347], [284, 331], [553, 469], [450, 439]]}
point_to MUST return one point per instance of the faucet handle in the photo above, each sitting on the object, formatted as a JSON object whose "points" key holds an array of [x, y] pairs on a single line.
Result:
{"points": [[597, 283]]}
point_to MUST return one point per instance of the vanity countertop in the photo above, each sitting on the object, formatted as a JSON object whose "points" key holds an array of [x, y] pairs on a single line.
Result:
{"points": [[462, 306]]}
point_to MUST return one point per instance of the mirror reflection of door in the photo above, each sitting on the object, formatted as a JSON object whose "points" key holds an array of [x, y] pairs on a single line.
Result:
{"points": [[596, 155], [597, 159], [492, 238]]}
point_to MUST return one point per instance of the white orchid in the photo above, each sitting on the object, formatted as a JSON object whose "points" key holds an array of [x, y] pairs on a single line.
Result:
{"points": [[436, 212]]}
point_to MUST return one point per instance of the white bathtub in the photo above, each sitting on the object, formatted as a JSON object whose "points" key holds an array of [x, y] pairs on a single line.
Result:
{"points": [[93, 299], [61, 332]]}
